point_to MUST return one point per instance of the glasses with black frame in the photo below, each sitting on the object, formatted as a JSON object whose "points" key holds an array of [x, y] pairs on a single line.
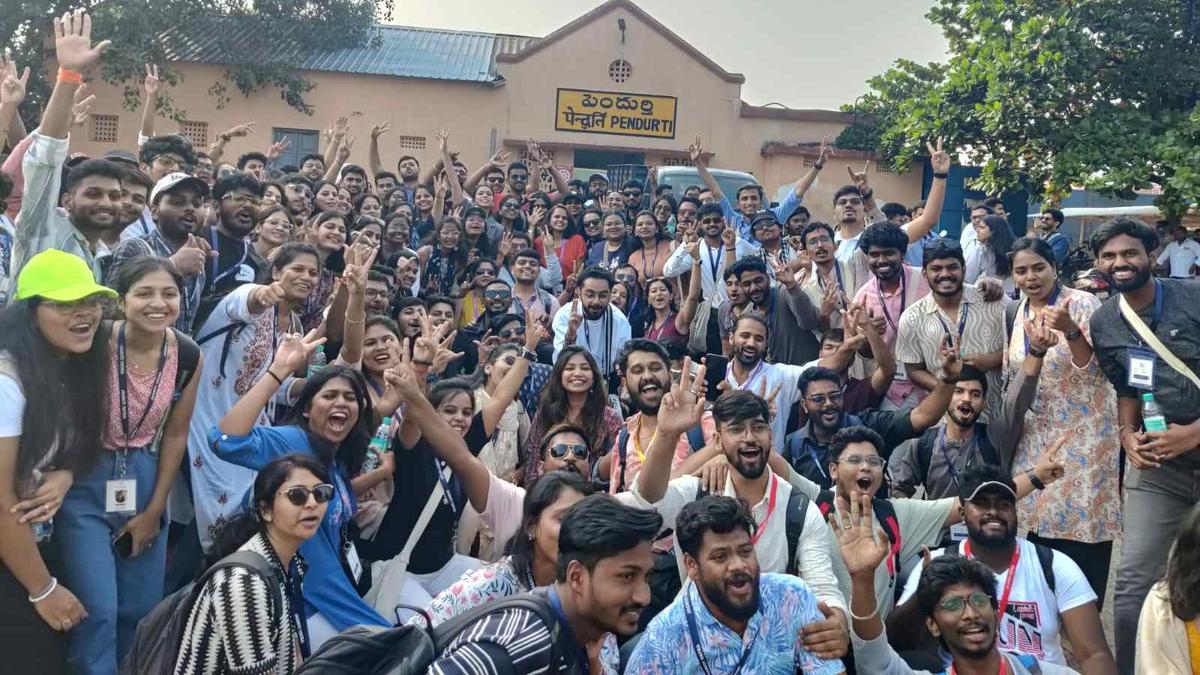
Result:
{"points": [[298, 494]]}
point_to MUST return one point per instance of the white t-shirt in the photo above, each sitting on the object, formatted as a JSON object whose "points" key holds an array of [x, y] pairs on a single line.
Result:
{"points": [[1182, 257], [12, 407], [782, 375], [1030, 624]]}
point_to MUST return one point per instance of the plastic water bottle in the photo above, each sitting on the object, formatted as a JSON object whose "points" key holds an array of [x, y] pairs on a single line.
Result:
{"points": [[41, 531], [1152, 414], [378, 446], [318, 361]]}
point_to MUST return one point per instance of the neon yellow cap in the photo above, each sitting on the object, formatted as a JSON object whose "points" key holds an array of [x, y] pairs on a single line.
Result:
{"points": [[59, 276]]}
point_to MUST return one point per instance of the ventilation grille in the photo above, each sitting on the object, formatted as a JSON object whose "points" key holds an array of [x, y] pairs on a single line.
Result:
{"points": [[104, 128], [412, 142], [196, 132], [620, 70]]}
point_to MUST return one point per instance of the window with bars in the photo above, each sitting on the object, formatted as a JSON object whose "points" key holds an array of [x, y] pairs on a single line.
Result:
{"points": [[104, 128], [677, 161], [412, 142], [620, 70], [196, 132]]}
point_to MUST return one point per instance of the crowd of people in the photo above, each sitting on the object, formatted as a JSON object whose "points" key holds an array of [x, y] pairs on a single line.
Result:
{"points": [[701, 432]]}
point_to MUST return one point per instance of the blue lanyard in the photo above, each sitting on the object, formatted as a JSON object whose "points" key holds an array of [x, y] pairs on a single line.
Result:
{"points": [[815, 459], [887, 315], [714, 260], [581, 657], [695, 635], [962, 324], [216, 261], [941, 441], [1050, 302], [607, 324], [447, 494]]}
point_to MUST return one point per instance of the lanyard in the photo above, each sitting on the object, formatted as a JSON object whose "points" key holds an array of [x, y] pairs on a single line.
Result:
{"points": [[962, 324], [714, 260], [695, 635], [941, 441], [653, 264], [749, 380], [887, 315], [447, 496], [1003, 666], [656, 332], [581, 657], [762, 527], [1012, 574], [216, 261], [812, 454], [608, 328], [296, 603], [1050, 302], [837, 270], [123, 388], [637, 442]]}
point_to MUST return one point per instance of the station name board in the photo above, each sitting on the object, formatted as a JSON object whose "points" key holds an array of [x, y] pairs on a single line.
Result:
{"points": [[615, 113]]}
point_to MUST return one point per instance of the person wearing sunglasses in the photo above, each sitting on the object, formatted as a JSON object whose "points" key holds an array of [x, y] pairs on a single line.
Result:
{"points": [[230, 628], [237, 198], [51, 335], [956, 600]]}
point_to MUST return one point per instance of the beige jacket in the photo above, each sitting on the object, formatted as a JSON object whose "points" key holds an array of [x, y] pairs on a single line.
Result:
{"points": [[1162, 642]]}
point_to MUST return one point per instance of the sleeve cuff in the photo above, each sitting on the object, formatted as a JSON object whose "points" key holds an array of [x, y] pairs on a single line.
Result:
{"points": [[48, 150]]}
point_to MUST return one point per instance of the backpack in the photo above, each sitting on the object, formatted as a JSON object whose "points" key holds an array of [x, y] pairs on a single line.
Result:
{"points": [[1010, 317], [411, 649], [189, 359], [695, 437], [1045, 556], [160, 633], [793, 524], [230, 331], [925, 449], [885, 513]]}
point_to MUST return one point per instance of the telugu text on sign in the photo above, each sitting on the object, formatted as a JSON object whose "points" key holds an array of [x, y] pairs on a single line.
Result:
{"points": [[608, 112]]}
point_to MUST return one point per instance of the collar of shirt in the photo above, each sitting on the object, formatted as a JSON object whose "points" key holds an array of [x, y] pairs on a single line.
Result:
{"points": [[709, 625], [970, 296]]}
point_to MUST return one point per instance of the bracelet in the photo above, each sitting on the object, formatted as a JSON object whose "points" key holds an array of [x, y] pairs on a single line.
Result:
{"points": [[874, 612], [1037, 482], [427, 364], [941, 175], [276, 377], [818, 165], [35, 599], [1035, 353], [69, 76]]}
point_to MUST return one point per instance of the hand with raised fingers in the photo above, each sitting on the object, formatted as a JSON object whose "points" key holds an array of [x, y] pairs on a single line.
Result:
{"points": [[1041, 337], [82, 106], [294, 352], [341, 127], [952, 362], [859, 179], [863, 546], [938, 158], [729, 237], [276, 150], [241, 130], [12, 86], [151, 82], [1059, 317], [343, 151], [1049, 468], [696, 150], [826, 150], [379, 130], [683, 406], [73, 46], [499, 158]]}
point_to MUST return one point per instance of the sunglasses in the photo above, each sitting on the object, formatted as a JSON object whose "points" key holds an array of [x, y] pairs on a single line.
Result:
{"points": [[512, 333], [298, 495], [955, 603], [560, 450], [820, 399], [594, 222], [509, 205], [497, 295]]}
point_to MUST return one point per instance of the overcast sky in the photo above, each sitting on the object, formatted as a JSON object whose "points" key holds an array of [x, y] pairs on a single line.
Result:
{"points": [[801, 53]]}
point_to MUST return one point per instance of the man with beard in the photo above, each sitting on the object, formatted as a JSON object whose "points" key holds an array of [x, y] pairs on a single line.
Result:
{"points": [[798, 221], [157, 158], [529, 280], [255, 164], [685, 215], [768, 232], [956, 312], [298, 196], [792, 540], [497, 301], [821, 391], [354, 179], [312, 166], [593, 323], [1162, 466], [385, 181], [91, 192], [134, 217], [856, 465], [408, 313], [1047, 590], [603, 558], [825, 280], [791, 316], [176, 203], [956, 598], [235, 261], [378, 292], [518, 179], [597, 188], [1046, 226], [729, 603]]}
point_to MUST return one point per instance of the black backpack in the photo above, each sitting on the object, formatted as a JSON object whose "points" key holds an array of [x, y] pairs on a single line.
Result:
{"points": [[411, 649], [160, 633]]}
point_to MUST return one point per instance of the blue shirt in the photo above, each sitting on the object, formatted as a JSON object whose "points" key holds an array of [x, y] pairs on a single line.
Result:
{"points": [[773, 634], [327, 589], [915, 255], [784, 211], [1060, 245]]}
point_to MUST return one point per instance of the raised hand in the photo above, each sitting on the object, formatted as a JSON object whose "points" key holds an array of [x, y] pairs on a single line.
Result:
{"points": [[683, 406], [504, 246], [439, 185], [443, 140], [500, 158], [826, 150], [832, 299], [401, 379], [426, 345], [1059, 317], [696, 150], [241, 130], [358, 264], [379, 130], [341, 127], [484, 346], [73, 42], [535, 331], [294, 351], [82, 106], [573, 322], [952, 362], [12, 87], [859, 178], [729, 237], [1041, 337], [537, 216], [277, 149], [863, 545], [151, 83], [190, 259], [938, 158], [343, 152], [1048, 468]]}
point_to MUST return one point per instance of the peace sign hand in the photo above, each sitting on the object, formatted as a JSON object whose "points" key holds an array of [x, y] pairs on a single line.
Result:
{"points": [[696, 150], [938, 158], [573, 322], [294, 351], [12, 88], [769, 398], [151, 83], [379, 130], [1048, 468], [951, 360], [683, 406], [729, 237], [826, 150], [535, 331]]}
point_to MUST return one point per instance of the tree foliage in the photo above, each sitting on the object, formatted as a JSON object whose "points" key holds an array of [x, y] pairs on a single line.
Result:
{"points": [[1047, 94], [142, 32]]}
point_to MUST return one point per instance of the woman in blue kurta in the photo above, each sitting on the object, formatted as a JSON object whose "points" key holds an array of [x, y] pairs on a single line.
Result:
{"points": [[332, 420]]}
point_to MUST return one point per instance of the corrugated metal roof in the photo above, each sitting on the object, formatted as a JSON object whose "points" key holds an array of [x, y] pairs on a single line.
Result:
{"points": [[401, 51]]}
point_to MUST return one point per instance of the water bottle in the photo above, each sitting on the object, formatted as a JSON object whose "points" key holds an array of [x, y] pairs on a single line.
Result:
{"points": [[318, 361], [378, 446], [1152, 414], [41, 531]]}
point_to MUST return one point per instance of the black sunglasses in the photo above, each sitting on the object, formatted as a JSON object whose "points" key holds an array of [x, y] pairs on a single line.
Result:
{"points": [[560, 450], [497, 295], [519, 331], [298, 495]]}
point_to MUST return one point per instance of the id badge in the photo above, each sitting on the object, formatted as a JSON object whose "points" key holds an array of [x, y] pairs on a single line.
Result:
{"points": [[245, 274], [958, 532], [120, 496], [356, 568], [1141, 368], [901, 373]]}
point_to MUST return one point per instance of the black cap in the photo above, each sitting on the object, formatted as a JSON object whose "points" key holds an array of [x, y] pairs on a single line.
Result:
{"points": [[571, 197], [475, 210], [597, 176], [121, 156], [969, 489], [764, 217]]}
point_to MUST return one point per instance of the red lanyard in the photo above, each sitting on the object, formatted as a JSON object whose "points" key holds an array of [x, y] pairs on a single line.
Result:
{"points": [[1012, 574], [1003, 666], [762, 527]]}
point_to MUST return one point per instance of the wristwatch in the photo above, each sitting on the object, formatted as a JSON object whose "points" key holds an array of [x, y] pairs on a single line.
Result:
{"points": [[1037, 482], [1073, 335], [1035, 353], [948, 380], [528, 355]]}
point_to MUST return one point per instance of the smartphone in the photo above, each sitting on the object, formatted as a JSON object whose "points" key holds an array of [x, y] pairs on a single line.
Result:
{"points": [[123, 545], [714, 374]]}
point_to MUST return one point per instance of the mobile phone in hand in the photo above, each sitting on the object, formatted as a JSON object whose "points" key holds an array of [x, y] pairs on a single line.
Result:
{"points": [[714, 374]]}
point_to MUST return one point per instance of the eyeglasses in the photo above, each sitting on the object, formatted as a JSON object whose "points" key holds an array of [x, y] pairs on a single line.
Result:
{"points": [[820, 399], [852, 201], [170, 161], [979, 600], [626, 279], [663, 207], [756, 428], [91, 302], [560, 450], [298, 495], [874, 461], [509, 205], [518, 176], [285, 225], [519, 331], [591, 222], [710, 221], [632, 195], [376, 293], [497, 295], [243, 200]]}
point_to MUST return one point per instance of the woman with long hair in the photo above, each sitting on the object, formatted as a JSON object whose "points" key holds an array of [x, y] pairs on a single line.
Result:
{"points": [[423, 203], [651, 248], [54, 364], [367, 204], [274, 229], [1081, 514], [115, 554], [368, 231], [575, 393], [591, 226], [230, 628], [564, 237], [273, 194], [664, 209], [443, 259], [614, 249], [1168, 630], [991, 259], [478, 274], [392, 199], [447, 417], [510, 217], [325, 196], [326, 232], [476, 240], [665, 324]]}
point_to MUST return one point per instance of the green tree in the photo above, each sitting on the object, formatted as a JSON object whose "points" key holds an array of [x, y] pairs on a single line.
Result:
{"points": [[1046, 94], [260, 54]]}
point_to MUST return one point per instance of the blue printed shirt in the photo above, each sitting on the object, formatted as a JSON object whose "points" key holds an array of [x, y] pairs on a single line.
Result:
{"points": [[773, 635]]}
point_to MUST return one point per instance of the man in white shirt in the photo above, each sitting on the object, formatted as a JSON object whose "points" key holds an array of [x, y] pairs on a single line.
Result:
{"points": [[592, 322], [713, 247], [1047, 587], [1181, 255]]}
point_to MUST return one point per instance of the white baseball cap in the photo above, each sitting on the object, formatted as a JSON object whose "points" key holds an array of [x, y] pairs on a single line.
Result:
{"points": [[172, 180]]}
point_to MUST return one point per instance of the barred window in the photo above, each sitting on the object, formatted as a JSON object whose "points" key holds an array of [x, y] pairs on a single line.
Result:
{"points": [[196, 132], [412, 142], [104, 128]]}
